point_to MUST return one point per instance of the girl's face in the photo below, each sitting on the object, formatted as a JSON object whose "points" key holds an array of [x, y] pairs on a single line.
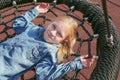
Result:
{"points": [[56, 32]]}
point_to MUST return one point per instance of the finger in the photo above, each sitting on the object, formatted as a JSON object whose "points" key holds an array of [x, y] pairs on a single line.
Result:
{"points": [[91, 59], [88, 64], [84, 56], [44, 5]]}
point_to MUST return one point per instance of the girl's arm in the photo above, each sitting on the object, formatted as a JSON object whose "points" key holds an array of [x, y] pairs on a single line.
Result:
{"points": [[21, 23], [49, 71]]}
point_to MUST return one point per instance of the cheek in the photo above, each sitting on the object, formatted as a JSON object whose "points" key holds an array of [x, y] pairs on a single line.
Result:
{"points": [[59, 40], [49, 26], [67, 32]]}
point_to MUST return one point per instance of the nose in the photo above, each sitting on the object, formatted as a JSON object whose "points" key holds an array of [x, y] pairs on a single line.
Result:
{"points": [[53, 33]]}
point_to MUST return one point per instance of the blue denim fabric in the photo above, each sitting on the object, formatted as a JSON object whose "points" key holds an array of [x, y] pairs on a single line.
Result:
{"points": [[27, 49]]}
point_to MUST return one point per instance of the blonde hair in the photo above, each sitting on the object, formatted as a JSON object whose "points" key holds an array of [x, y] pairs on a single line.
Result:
{"points": [[67, 45]]}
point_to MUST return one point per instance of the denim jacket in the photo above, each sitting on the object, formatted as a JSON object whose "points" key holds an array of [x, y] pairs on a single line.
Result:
{"points": [[28, 49]]}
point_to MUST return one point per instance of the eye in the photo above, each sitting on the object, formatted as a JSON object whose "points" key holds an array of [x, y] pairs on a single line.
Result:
{"points": [[59, 34], [54, 26]]}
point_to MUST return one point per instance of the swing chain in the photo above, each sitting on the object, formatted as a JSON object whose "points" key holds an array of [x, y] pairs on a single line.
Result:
{"points": [[109, 36]]}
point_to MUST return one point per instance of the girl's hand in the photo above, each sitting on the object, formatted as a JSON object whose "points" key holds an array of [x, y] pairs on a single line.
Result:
{"points": [[87, 62], [42, 8]]}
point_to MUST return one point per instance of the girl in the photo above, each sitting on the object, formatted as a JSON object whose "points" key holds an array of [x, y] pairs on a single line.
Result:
{"points": [[44, 48]]}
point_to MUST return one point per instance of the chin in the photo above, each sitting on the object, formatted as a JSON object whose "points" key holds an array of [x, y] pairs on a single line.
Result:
{"points": [[49, 41]]}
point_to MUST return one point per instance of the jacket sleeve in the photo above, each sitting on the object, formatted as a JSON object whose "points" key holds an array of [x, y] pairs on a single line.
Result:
{"points": [[21, 23], [47, 71]]}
